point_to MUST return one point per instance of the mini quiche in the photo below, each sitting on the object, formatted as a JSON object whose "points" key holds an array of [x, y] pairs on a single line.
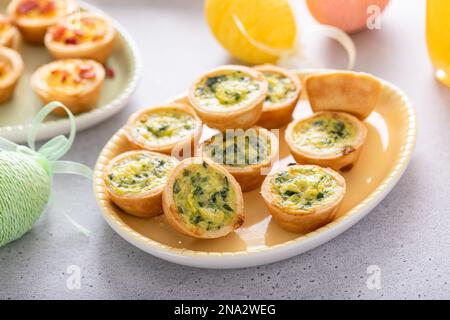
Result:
{"points": [[135, 181], [229, 97], [327, 139], [202, 200], [282, 96], [33, 17], [8, 32], [247, 155], [11, 68], [74, 82], [164, 128], [302, 198], [81, 35], [345, 91]]}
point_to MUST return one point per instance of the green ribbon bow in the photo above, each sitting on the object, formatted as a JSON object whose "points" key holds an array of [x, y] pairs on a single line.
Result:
{"points": [[52, 150]]}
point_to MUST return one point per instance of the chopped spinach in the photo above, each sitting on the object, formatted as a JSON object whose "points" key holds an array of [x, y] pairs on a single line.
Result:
{"points": [[198, 191], [224, 193], [213, 198], [176, 187], [212, 81], [196, 219], [289, 193], [318, 123], [339, 129], [158, 131], [227, 207]]}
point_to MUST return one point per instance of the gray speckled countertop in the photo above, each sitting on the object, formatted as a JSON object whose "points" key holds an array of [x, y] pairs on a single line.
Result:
{"points": [[407, 235]]}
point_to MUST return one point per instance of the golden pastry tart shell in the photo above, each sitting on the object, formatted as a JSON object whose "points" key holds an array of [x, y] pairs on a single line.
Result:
{"points": [[280, 114], [250, 177], [222, 118], [188, 142], [16, 66], [352, 92], [343, 161], [10, 36], [81, 101], [33, 30], [99, 50], [144, 204], [302, 221], [174, 218]]}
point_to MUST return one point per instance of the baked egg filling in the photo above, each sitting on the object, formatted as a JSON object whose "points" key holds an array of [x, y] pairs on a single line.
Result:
{"points": [[281, 88], [5, 26], [139, 173], [5, 69], [163, 126], [78, 30], [71, 75], [325, 134], [232, 89], [40, 8], [238, 148], [204, 198], [303, 187]]}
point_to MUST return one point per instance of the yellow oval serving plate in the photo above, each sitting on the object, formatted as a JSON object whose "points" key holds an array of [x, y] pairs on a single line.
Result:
{"points": [[384, 158]]}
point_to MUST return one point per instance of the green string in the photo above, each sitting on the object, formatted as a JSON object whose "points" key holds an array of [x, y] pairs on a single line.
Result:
{"points": [[23, 187]]}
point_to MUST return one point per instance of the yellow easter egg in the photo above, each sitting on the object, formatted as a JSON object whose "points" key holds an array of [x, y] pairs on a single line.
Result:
{"points": [[269, 22]]}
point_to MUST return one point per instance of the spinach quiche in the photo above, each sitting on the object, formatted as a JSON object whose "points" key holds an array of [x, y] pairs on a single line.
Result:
{"points": [[8, 32], [168, 128], [229, 97], [33, 17], [203, 200], [135, 181], [81, 35], [344, 91], [328, 139], [282, 96], [247, 154], [11, 68], [77, 83], [302, 198]]}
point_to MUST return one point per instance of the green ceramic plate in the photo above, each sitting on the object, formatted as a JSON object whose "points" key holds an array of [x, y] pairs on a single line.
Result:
{"points": [[16, 115]]}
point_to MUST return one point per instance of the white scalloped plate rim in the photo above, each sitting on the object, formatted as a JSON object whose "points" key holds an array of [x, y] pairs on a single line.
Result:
{"points": [[18, 133], [289, 249]]}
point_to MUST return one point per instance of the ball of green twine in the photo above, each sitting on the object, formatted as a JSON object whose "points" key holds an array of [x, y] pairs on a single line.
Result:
{"points": [[25, 188]]}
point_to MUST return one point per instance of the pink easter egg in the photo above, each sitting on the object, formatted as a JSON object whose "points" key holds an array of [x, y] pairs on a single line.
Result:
{"points": [[348, 15]]}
